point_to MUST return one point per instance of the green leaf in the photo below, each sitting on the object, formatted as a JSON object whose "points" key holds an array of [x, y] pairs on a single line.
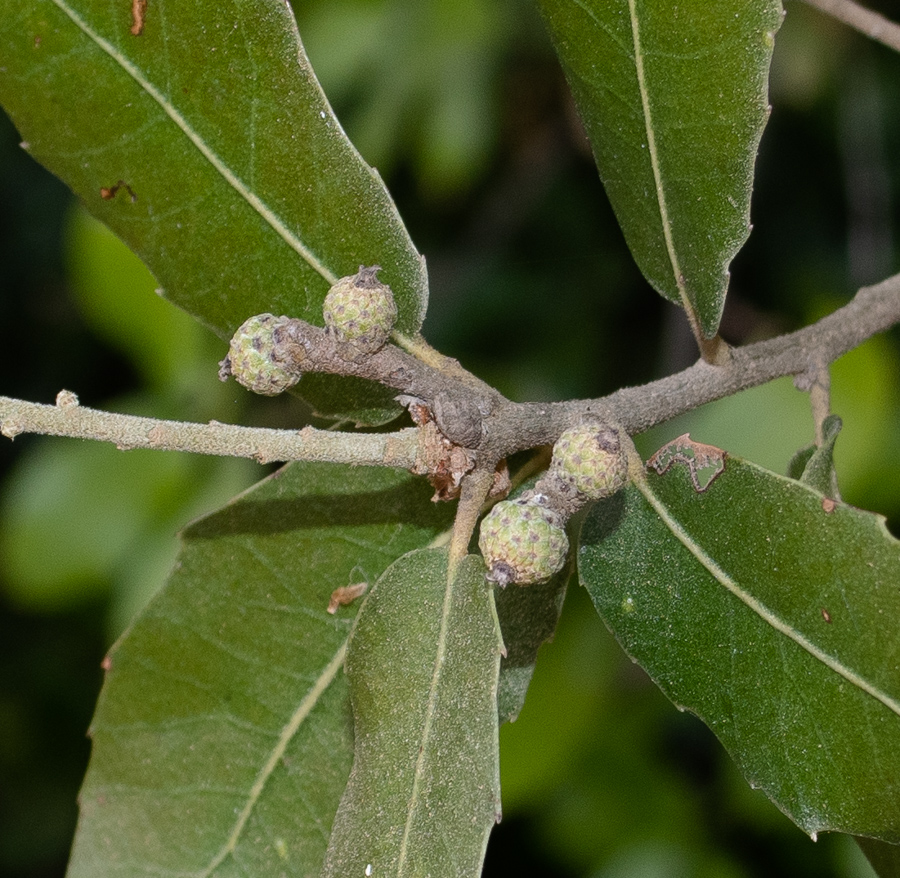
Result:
{"points": [[674, 100], [424, 791], [528, 618], [814, 464], [774, 620], [222, 740], [207, 145]]}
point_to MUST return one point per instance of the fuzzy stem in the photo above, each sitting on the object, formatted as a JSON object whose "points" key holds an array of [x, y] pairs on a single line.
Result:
{"points": [[68, 418], [475, 488], [498, 427], [872, 310]]}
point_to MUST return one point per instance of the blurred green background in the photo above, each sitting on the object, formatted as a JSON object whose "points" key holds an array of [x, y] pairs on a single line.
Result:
{"points": [[462, 107]]}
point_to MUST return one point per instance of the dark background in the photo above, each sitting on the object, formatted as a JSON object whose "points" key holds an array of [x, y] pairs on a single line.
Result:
{"points": [[534, 290]]}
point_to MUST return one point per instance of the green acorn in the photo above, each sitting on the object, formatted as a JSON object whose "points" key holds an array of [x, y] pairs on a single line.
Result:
{"points": [[262, 357], [522, 542], [591, 459], [360, 311]]}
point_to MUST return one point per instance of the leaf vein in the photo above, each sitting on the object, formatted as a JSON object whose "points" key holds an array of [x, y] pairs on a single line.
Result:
{"points": [[275, 222], [761, 610], [653, 151], [303, 710], [430, 711]]}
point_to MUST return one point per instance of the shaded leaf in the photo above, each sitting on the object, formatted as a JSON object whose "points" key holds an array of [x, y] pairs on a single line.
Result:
{"points": [[814, 464], [422, 663], [207, 145], [222, 739], [528, 618], [674, 100], [774, 621]]}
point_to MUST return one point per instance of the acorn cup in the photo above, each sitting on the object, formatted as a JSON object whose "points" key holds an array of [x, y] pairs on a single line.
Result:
{"points": [[522, 542], [262, 356], [360, 313], [591, 459]]}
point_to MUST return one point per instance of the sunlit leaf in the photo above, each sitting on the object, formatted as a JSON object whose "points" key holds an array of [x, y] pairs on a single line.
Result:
{"points": [[422, 663], [770, 612], [674, 100], [223, 737], [207, 145]]}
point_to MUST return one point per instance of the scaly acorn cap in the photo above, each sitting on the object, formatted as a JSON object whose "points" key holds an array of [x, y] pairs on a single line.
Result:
{"points": [[360, 312], [522, 542], [261, 357], [592, 459]]}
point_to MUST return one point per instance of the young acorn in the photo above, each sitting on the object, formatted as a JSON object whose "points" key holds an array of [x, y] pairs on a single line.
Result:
{"points": [[591, 459], [522, 542], [261, 358], [360, 312]]}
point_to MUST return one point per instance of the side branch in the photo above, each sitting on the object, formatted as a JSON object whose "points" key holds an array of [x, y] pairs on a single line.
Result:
{"points": [[68, 418], [464, 426], [874, 309]]}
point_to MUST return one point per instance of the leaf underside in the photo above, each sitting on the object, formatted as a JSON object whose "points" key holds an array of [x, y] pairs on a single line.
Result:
{"points": [[423, 660], [223, 737], [528, 618], [674, 101], [771, 614], [207, 145]]}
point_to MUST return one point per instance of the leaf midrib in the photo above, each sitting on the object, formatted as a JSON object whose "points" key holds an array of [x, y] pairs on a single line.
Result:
{"points": [[297, 719], [654, 160], [244, 191], [419, 770], [767, 615]]}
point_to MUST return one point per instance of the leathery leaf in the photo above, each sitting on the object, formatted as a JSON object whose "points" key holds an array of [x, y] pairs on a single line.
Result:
{"points": [[207, 145], [770, 611], [674, 101], [423, 660], [223, 737]]}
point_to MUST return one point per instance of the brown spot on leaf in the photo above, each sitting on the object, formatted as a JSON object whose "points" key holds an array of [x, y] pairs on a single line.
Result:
{"points": [[106, 664], [828, 505], [705, 462], [346, 594], [138, 10], [826, 615], [108, 193]]}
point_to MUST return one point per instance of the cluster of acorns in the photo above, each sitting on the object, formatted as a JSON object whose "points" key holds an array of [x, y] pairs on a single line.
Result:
{"points": [[359, 312], [524, 541]]}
